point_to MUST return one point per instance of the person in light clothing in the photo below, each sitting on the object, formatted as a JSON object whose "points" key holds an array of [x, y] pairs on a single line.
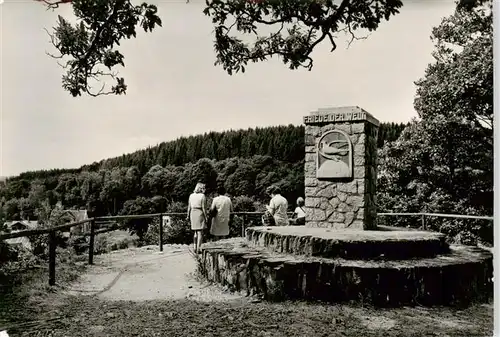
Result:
{"points": [[221, 208], [197, 214], [299, 214], [278, 206]]}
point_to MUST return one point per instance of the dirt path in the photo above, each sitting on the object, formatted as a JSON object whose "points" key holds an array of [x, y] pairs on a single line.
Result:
{"points": [[143, 274]]}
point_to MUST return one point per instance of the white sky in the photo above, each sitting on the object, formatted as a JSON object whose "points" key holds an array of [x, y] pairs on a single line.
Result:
{"points": [[175, 90]]}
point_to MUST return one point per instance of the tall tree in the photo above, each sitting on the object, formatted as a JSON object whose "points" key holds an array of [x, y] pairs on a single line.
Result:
{"points": [[242, 180], [91, 184], [444, 162], [68, 190], [132, 182], [153, 182], [113, 191], [11, 209], [455, 99], [140, 205], [38, 193], [204, 171]]}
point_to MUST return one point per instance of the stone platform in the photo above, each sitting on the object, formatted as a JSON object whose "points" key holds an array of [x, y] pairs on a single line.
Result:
{"points": [[278, 264], [348, 243]]}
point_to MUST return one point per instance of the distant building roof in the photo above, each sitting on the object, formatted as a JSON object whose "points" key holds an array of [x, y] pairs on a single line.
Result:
{"points": [[77, 215], [25, 224]]}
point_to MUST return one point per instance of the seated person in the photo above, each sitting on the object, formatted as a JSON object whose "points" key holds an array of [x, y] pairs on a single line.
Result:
{"points": [[299, 215]]}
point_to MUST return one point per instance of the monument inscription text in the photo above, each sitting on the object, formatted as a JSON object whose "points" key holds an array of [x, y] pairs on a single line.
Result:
{"points": [[335, 117]]}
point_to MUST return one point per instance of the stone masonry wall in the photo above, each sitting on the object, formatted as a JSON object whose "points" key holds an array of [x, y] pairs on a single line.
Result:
{"points": [[343, 204], [370, 180]]}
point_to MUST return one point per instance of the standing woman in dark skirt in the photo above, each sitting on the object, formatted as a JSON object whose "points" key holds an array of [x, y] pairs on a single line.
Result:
{"points": [[197, 214]]}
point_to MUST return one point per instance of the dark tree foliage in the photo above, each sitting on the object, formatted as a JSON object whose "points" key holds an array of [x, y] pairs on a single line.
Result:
{"points": [[43, 174], [389, 132], [89, 47], [246, 162], [285, 143], [297, 27]]}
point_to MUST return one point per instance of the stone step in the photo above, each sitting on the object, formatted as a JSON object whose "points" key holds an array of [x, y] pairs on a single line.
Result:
{"points": [[348, 244], [462, 276]]}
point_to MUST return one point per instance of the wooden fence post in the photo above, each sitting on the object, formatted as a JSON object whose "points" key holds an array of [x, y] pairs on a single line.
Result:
{"points": [[52, 258], [423, 221], [91, 242], [161, 233], [243, 225]]}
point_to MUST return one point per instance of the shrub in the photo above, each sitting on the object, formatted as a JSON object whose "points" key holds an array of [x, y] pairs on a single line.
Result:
{"points": [[235, 226], [79, 243], [259, 206], [15, 261], [457, 231], [243, 204], [179, 231], [40, 243], [464, 231], [7, 253], [115, 240], [101, 244]]}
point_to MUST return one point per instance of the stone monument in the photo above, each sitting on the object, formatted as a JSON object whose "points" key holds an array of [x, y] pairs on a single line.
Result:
{"points": [[341, 168], [341, 254]]}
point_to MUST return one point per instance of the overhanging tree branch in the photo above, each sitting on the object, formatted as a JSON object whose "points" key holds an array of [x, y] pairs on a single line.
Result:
{"points": [[300, 26], [54, 4], [309, 23], [89, 46]]}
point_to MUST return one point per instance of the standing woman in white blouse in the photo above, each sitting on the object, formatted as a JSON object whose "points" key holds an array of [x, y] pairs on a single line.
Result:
{"points": [[197, 214]]}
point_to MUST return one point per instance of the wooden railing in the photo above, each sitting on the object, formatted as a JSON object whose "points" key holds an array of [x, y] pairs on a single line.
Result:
{"points": [[423, 216], [248, 218], [53, 241], [94, 230]]}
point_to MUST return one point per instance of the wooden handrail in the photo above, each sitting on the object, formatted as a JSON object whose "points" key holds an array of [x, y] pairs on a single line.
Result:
{"points": [[94, 229], [439, 215], [130, 217], [33, 232]]}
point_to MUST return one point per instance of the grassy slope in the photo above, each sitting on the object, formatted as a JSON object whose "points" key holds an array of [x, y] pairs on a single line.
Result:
{"points": [[29, 295]]}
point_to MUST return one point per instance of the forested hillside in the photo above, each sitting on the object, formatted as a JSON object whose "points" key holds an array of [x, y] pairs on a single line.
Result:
{"points": [[284, 143], [245, 161]]}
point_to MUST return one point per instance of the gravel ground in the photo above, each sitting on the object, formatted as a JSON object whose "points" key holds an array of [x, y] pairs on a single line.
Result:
{"points": [[143, 274], [89, 316]]}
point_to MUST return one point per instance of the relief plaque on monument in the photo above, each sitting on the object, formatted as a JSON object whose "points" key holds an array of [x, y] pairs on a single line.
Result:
{"points": [[334, 156]]}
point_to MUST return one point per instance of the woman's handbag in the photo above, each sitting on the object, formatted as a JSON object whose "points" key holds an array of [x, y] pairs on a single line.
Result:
{"points": [[212, 213], [268, 219]]}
